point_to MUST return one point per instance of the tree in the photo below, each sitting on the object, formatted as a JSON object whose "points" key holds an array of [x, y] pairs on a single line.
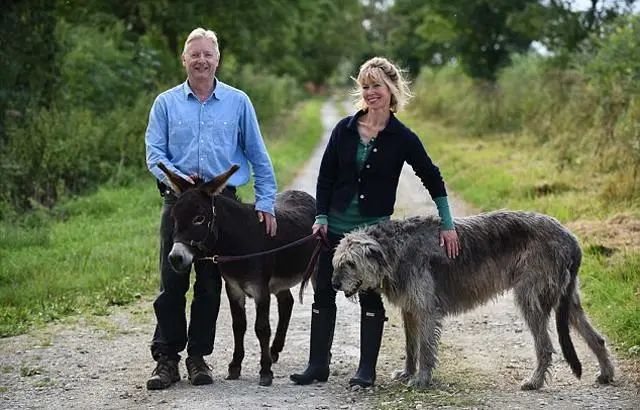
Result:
{"points": [[478, 35]]}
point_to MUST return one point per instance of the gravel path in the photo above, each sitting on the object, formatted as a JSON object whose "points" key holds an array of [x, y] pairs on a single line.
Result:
{"points": [[103, 362]]}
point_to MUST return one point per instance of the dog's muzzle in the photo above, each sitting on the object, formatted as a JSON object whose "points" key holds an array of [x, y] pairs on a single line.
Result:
{"points": [[347, 292]]}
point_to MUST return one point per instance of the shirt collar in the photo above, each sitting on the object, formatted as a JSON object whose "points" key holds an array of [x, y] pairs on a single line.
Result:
{"points": [[392, 126], [219, 90]]}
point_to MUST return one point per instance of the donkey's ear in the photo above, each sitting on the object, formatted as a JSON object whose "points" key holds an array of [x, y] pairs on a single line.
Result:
{"points": [[178, 183], [217, 184]]}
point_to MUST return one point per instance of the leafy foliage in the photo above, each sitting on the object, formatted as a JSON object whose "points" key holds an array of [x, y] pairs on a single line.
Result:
{"points": [[77, 79], [589, 114]]}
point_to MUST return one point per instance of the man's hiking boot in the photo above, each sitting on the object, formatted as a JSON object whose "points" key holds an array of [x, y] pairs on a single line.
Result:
{"points": [[199, 371], [164, 375]]}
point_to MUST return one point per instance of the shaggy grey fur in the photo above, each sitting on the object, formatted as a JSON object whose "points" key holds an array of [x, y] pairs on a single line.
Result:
{"points": [[532, 254]]}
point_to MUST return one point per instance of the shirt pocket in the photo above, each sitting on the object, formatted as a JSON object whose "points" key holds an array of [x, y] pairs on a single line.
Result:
{"points": [[180, 133], [224, 133]]}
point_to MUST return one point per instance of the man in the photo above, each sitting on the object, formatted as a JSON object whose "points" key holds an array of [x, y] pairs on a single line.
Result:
{"points": [[199, 128]]}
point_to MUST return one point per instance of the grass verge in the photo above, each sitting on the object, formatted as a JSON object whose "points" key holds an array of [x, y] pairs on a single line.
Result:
{"points": [[100, 250]]}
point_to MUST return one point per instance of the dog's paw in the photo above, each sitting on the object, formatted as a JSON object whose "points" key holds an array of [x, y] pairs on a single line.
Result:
{"points": [[605, 378], [419, 382], [401, 375], [531, 385]]}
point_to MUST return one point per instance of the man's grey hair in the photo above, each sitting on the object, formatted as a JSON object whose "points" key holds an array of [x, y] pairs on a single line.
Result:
{"points": [[202, 33]]}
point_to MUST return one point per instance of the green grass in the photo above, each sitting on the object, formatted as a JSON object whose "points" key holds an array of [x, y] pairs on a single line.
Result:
{"points": [[502, 171], [93, 252], [611, 293], [100, 250]]}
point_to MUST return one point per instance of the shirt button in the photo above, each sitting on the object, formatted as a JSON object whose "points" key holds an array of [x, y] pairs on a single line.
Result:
{"points": [[361, 196], [202, 122], [368, 166], [359, 179], [375, 150]]}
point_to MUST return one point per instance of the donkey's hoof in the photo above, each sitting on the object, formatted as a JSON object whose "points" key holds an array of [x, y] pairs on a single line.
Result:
{"points": [[274, 357], [234, 373], [266, 380]]}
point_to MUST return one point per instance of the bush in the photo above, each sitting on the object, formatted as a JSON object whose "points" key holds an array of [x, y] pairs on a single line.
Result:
{"points": [[62, 151], [589, 114], [269, 93], [100, 69]]}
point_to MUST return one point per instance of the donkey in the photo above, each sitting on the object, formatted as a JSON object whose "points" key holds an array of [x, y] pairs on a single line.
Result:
{"points": [[207, 223]]}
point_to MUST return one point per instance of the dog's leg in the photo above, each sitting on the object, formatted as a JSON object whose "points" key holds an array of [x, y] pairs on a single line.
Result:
{"points": [[428, 356], [411, 347], [285, 306], [239, 325], [595, 342], [536, 315]]}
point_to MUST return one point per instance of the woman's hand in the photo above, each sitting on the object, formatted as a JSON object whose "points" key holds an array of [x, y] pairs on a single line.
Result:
{"points": [[322, 228], [449, 239]]}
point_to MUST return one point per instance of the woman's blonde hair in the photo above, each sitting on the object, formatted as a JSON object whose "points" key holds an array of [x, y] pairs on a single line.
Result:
{"points": [[202, 33], [380, 70]]}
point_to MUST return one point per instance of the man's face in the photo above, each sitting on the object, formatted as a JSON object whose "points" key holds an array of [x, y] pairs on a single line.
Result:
{"points": [[200, 59]]}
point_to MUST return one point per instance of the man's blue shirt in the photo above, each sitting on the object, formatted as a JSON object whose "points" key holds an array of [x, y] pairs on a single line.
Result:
{"points": [[205, 139]]}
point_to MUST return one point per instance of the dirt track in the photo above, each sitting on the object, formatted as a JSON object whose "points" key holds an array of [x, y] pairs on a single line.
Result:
{"points": [[103, 362]]}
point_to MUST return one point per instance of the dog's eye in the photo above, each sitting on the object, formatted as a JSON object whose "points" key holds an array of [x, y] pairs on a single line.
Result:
{"points": [[198, 220]]}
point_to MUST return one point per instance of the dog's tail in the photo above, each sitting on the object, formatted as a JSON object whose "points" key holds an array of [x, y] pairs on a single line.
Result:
{"points": [[562, 321]]}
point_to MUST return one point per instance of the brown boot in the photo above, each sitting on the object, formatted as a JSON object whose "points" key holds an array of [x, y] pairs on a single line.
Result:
{"points": [[199, 371], [164, 375]]}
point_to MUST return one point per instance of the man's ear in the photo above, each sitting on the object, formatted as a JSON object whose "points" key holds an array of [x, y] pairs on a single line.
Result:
{"points": [[177, 182], [217, 184]]}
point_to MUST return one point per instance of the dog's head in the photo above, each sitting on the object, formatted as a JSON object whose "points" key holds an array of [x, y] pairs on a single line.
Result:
{"points": [[359, 264]]}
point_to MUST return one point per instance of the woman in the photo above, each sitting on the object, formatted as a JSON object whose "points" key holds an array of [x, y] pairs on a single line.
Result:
{"points": [[356, 187]]}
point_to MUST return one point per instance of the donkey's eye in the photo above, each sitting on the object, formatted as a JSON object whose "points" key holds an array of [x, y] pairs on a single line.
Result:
{"points": [[198, 220]]}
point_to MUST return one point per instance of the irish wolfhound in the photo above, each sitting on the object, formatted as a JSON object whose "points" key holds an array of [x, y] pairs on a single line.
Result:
{"points": [[530, 253]]}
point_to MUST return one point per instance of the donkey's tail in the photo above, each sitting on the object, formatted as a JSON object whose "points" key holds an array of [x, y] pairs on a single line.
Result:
{"points": [[311, 268], [562, 322]]}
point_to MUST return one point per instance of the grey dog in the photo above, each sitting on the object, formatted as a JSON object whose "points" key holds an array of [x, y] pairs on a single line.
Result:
{"points": [[532, 254]]}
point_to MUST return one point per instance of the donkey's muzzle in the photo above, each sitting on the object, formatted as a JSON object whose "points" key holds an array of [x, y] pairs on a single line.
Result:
{"points": [[180, 257]]}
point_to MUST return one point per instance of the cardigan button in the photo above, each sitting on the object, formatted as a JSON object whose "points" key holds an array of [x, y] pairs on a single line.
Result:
{"points": [[361, 196], [368, 166], [375, 150]]}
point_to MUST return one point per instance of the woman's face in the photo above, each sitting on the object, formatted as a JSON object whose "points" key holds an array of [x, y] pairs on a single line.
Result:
{"points": [[376, 95]]}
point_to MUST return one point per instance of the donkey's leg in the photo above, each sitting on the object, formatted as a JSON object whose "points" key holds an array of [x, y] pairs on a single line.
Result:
{"points": [[239, 323], [534, 303], [285, 307], [595, 342], [429, 331], [263, 331], [411, 347]]}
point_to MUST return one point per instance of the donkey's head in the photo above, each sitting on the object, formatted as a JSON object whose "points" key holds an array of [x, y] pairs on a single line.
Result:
{"points": [[194, 218]]}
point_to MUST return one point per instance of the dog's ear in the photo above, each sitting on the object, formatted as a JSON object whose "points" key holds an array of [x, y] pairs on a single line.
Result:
{"points": [[217, 184], [375, 252]]}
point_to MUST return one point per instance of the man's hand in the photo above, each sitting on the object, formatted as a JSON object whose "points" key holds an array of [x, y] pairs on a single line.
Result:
{"points": [[269, 220], [449, 239]]}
